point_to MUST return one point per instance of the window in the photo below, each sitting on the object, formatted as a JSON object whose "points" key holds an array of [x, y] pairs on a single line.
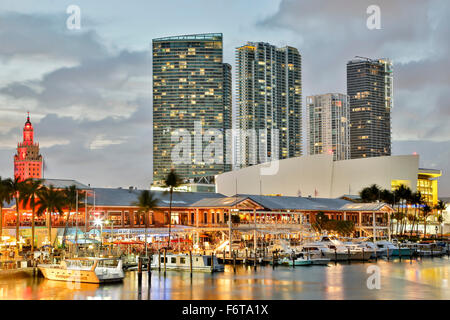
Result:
{"points": [[173, 260], [183, 260]]}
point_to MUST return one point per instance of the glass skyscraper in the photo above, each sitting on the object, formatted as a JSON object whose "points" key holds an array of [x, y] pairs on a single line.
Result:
{"points": [[328, 125], [190, 84], [269, 96], [370, 88]]}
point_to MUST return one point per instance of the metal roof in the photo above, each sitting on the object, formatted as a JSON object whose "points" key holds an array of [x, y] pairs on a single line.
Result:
{"points": [[63, 183], [126, 197], [290, 203]]}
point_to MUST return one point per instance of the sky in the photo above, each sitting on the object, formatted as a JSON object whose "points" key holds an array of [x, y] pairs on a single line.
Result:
{"points": [[89, 90]]}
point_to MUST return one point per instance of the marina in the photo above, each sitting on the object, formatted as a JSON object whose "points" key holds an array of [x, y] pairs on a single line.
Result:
{"points": [[424, 278]]}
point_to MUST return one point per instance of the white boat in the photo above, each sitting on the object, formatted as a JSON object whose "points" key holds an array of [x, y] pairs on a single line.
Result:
{"points": [[429, 250], [88, 270], [182, 262], [338, 251]]}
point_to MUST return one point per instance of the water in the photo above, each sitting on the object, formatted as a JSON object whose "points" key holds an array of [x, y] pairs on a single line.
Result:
{"points": [[416, 279]]}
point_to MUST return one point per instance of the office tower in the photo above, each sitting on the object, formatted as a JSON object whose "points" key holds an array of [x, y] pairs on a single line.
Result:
{"points": [[269, 96], [328, 125], [190, 84], [28, 161], [370, 88]]}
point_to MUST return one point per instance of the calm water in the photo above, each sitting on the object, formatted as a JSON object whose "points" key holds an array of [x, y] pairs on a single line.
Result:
{"points": [[416, 279]]}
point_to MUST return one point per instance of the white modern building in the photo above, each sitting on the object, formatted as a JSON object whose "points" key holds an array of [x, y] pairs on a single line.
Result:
{"points": [[319, 176], [328, 125]]}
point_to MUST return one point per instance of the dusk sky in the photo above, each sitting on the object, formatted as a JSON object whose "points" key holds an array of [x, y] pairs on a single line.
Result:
{"points": [[89, 90]]}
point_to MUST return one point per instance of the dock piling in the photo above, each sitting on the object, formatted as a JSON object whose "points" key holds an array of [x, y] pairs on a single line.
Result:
{"points": [[363, 257], [234, 261], [348, 254], [212, 262], [165, 260], [190, 261], [159, 260], [149, 270], [399, 252]]}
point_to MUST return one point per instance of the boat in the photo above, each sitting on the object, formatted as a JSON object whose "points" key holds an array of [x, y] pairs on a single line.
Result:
{"points": [[182, 262], [87, 270], [316, 255], [298, 259], [429, 250], [335, 250], [392, 250]]}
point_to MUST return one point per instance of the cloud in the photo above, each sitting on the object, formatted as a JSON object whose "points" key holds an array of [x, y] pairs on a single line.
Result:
{"points": [[91, 111]]}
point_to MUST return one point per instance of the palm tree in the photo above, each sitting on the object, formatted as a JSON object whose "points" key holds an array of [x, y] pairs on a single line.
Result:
{"points": [[402, 193], [146, 203], [440, 207], [416, 201], [426, 210], [70, 199], [50, 200], [370, 194], [5, 196], [16, 186], [172, 181], [30, 194]]}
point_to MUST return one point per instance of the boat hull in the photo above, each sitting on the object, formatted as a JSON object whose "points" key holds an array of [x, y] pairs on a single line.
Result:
{"points": [[71, 275]]}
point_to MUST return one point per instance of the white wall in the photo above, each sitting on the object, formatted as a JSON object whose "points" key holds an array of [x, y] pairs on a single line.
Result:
{"points": [[331, 179]]}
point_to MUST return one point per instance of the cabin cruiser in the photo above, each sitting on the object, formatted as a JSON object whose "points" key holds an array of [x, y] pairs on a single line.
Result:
{"points": [[182, 262], [392, 250], [88, 270], [296, 259], [429, 250], [338, 251]]}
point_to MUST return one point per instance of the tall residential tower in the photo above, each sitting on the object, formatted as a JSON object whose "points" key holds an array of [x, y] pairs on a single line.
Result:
{"points": [[269, 96], [370, 88], [328, 125], [190, 84]]}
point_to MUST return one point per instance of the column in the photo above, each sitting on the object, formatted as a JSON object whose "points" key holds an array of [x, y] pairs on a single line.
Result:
{"points": [[374, 226]]}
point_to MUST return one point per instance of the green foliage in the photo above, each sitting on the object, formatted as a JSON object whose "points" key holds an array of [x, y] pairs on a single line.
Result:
{"points": [[344, 228]]}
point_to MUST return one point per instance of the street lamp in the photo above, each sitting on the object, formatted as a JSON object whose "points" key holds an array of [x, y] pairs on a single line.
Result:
{"points": [[99, 222]]}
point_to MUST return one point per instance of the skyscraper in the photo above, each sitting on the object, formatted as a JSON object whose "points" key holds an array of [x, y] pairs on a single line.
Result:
{"points": [[190, 84], [28, 161], [370, 88], [269, 96], [328, 125]]}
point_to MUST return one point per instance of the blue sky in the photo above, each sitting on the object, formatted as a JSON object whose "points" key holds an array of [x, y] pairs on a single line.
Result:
{"points": [[89, 90]]}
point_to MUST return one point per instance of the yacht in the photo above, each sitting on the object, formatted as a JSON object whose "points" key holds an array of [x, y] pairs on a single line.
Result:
{"points": [[88, 270], [338, 251], [182, 262]]}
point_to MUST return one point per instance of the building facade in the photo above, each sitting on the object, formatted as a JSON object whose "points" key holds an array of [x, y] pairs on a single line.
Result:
{"points": [[370, 88], [328, 125], [28, 161], [269, 96], [191, 84], [319, 176]]}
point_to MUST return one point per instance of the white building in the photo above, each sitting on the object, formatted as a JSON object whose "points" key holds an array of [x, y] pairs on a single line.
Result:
{"points": [[319, 176], [328, 125]]}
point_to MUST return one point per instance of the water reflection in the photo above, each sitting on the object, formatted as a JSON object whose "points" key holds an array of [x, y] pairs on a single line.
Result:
{"points": [[417, 279]]}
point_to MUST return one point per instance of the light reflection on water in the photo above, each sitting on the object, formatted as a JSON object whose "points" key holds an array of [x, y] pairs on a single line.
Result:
{"points": [[417, 279]]}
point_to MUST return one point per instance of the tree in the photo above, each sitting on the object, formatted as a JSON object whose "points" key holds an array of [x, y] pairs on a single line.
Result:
{"points": [[146, 203], [370, 194], [5, 196], [441, 206], [172, 181], [50, 200], [16, 187], [30, 194], [426, 210], [70, 199], [321, 221], [403, 194], [416, 201]]}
